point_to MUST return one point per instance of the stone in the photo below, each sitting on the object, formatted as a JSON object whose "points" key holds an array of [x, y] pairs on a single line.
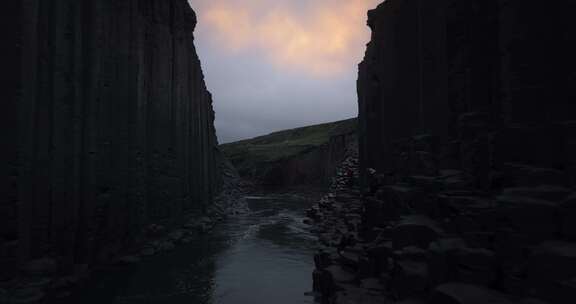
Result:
{"points": [[552, 260], [532, 301], [476, 266], [563, 291], [339, 274], [354, 295], [128, 260], [119, 132], [323, 282], [148, 251], [166, 246], [41, 267], [372, 284], [460, 293], [350, 258], [176, 235], [442, 265], [380, 255], [322, 259], [568, 217], [27, 296], [415, 230], [450, 93], [411, 301], [528, 176], [535, 217], [543, 192], [410, 278]]}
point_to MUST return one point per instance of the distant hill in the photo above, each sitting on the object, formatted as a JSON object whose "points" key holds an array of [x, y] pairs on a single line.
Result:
{"points": [[294, 156]]}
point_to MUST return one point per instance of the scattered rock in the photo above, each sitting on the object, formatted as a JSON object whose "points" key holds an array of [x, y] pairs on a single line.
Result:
{"points": [[41, 267], [148, 251], [128, 260], [28, 295], [460, 293], [415, 230]]}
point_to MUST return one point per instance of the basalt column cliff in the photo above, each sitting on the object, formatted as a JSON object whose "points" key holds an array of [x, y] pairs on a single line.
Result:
{"points": [[467, 113], [107, 127], [483, 82]]}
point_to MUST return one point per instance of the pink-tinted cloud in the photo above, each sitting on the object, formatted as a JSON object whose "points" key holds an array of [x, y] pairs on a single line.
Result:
{"points": [[319, 37]]}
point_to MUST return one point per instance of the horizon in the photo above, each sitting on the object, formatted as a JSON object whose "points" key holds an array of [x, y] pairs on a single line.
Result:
{"points": [[302, 62]]}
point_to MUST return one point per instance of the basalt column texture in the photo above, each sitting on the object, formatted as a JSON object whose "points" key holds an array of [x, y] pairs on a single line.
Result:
{"points": [[467, 143], [107, 127], [442, 68]]}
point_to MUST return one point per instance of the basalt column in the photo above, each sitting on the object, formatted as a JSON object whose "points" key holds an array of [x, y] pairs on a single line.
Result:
{"points": [[467, 114], [467, 84], [402, 83], [107, 127]]}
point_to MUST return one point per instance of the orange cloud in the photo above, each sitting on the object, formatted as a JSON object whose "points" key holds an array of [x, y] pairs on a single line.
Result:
{"points": [[322, 37]]}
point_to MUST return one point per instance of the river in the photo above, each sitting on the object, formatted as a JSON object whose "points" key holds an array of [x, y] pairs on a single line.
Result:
{"points": [[264, 255]]}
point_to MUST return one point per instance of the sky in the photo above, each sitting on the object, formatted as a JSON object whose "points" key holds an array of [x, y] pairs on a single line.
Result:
{"points": [[279, 64]]}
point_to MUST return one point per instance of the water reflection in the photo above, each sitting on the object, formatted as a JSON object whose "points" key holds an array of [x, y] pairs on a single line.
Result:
{"points": [[263, 256]]}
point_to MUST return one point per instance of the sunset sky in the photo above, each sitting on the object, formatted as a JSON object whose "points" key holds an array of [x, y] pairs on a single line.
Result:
{"points": [[277, 64]]}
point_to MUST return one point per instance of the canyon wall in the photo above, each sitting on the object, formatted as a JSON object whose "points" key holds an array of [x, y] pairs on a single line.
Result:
{"points": [[467, 113], [301, 157], [314, 168], [107, 127], [437, 69]]}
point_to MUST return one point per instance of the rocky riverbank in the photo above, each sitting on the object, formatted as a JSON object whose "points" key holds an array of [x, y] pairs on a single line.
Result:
{"points": [[40, 283], [437, 239]]}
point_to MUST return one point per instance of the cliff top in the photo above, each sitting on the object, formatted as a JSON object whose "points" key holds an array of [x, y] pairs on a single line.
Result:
{"points": [[286, 143]]}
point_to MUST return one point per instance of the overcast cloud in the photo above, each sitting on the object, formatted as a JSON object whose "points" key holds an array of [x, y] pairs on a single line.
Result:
{"points": [[278, 64]]}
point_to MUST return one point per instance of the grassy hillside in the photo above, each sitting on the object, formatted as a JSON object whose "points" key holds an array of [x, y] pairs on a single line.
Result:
{"points": [[258, 152]]}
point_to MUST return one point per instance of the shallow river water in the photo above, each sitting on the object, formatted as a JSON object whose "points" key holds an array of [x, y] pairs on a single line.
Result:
{"points": [[262, 256]]}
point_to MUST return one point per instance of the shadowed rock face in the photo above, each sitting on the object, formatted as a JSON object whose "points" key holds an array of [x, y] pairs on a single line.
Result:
{"points": [[467, 115], [305, 156], [484, 80], [109, 127]]}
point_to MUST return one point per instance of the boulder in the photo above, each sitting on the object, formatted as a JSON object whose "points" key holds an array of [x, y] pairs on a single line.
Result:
{"points": [[476, 266], [148, 251], [535, 217], [461, 293], [415, 230], [568, 217], [399, 198], [410, 278], [321, 259], [128, 260], [27, 295], [374, 284], [355, 295], [556, 292], [552, 261], [528, 176], [340, 274], [543, 192], [379, 256], [323, 282], [41, 267], [440, 259]]}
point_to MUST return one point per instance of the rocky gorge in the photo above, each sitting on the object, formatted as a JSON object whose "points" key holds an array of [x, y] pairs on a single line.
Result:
{"points": [[305, 156], [455, 184], [108, 136], [466, 160]]}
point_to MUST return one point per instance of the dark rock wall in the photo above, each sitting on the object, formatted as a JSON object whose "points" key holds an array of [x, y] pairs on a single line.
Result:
{"points": [[312, 168], [467, 115], [443, 68], [109, 127]]}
